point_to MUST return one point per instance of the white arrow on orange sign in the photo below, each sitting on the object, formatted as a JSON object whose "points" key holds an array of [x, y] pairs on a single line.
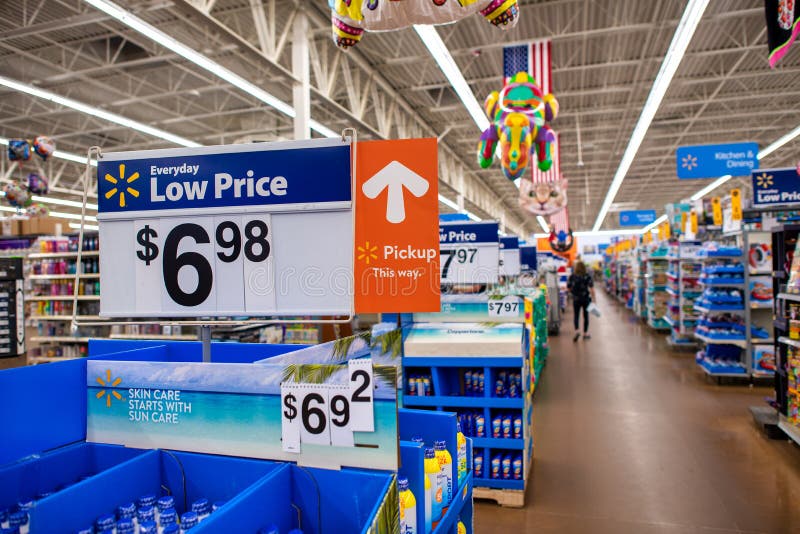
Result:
{"points": [[394, 177]]}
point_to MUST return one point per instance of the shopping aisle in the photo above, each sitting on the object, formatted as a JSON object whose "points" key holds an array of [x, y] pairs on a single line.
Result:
{"points": [[630, 438]]}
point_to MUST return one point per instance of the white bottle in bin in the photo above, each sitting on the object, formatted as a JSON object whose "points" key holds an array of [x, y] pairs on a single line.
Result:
{"points": [[20, 521], [168, 517], [202, 508], [188, 521]]}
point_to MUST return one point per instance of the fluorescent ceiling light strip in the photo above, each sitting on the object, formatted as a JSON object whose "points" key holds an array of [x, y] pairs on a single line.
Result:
{"points": [[472, 216], [449, 203], [73, 216], [710, 187], [61, 215], [77, 226], [677, 48], [543, 224], [60, 154], [151, 32], [779, 143], [99, 113], [437, 48]]}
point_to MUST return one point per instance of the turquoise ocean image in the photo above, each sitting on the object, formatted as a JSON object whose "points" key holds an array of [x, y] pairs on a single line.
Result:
{"points": [[236, 424], [235, 410]]}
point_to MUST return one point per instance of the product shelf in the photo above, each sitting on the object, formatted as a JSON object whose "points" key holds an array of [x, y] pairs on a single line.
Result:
{"points": [[791, 430], [499, 443], [66, 317], [788, 341], [719, 341], [45, 255], [36, 298], [59, 339], [789, 296], [499, 483], [62, 276], [176, 337], [435, 401]]}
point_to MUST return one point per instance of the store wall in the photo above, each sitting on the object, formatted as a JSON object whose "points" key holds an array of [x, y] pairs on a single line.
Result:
{"points": [[588, 248]]}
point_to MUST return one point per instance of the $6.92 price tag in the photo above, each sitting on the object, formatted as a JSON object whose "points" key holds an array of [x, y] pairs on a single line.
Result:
{"points": [[328, 414]]}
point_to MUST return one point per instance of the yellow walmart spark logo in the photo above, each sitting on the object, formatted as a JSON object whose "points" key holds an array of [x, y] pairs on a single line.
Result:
{"points": [[119, 182], [367, 252], [108, 383], [764, 180]]}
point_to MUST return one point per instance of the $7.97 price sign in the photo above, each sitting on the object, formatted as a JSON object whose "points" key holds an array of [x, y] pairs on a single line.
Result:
{"points": [[509, 306], [328, 414]]}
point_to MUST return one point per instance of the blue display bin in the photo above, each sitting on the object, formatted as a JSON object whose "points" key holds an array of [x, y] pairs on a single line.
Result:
{"points": [[433, 426], [44, 412]]}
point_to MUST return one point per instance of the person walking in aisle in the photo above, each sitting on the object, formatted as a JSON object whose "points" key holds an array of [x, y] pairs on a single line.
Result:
{"points": [[581, 287]]}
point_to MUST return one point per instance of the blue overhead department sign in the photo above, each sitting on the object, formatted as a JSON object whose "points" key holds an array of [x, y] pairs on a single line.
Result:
{"points": [[713, 161], [776, 186], [636, 217]]}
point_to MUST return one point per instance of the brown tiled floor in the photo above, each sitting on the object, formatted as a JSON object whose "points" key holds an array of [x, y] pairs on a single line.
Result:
{"points": [[630, 437]]}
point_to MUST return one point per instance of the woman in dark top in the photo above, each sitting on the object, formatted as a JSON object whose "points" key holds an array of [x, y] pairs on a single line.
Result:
{"points": [[581, 287]]}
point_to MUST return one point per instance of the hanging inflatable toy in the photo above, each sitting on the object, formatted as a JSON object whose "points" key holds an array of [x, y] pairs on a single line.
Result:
{"points": [[37, 209], [16, 195], [519, 116], [351, 18], [561, 241], [19, 150], [44, 147], [543, 198], [37, 184]]}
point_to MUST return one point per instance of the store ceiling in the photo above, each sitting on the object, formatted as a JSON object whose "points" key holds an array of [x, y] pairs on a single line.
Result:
{"points": [[606, 54]]}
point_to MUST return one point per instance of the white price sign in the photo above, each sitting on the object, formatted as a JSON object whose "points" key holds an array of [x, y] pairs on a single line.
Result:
{"points": [[328, 414], [509, 256], [509, 306], [259, 229], [469, 253]]}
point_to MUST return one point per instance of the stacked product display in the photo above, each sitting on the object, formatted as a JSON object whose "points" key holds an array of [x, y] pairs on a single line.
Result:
{"points": [[477, 371], [656, 288], [683, 289], [722, 326], [786, 284], [12, 305]]}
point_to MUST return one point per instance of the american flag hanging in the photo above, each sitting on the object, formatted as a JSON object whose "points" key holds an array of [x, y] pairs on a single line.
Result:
{"points": [[534, 58], [560, 221]]}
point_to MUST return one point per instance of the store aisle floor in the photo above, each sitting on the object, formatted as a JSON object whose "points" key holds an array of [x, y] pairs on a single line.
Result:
{"points": [[631, 438]]}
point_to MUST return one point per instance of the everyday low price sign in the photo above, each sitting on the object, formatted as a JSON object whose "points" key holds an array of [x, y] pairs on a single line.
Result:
{"points": [[713, 161], [470, 252], [266, 229], [776, 187]]}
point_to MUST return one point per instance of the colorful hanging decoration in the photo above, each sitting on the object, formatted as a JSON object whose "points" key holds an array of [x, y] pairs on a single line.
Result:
{"points": [[351, 18], [17, 195], [519, 116], [37, 209], [782, 27], [543, 198], [44, 147], [561, 238], [19, 150], [37, 184]]}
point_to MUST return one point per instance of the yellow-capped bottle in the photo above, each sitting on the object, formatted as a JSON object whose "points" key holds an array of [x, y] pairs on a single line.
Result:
{"points": [[433, 473], [461, 441], [408, 508], [446, 471]]}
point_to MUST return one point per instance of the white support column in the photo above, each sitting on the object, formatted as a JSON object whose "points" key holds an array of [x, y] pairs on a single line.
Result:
{"points": [[301, 92]]}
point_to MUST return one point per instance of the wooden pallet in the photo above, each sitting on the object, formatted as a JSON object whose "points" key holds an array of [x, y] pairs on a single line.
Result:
{"points": [[503, 497]]}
